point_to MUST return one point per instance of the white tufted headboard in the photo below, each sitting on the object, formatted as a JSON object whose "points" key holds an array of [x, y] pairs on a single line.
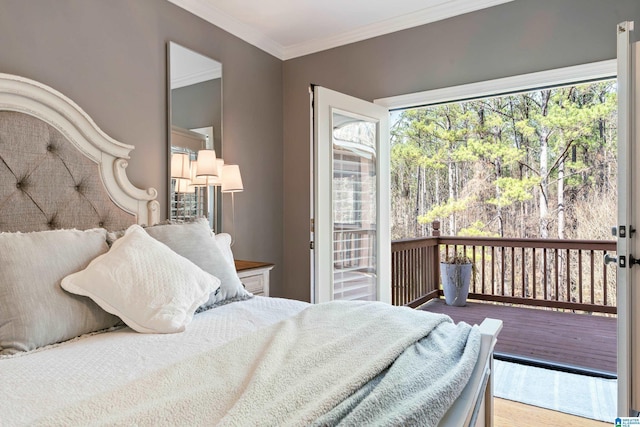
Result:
{"points": [[58, 169]]}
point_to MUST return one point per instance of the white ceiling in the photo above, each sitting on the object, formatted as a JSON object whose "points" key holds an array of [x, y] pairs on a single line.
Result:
{"points": [[291, 28]]}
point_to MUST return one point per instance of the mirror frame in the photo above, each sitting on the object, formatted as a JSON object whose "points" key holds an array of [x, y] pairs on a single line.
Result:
{"points": [[216, 201]]}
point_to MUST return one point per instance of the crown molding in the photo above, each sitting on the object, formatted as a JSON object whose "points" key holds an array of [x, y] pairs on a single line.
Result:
{"points": [[425, 16], [231, 25], [197, 77], [243, 31]]}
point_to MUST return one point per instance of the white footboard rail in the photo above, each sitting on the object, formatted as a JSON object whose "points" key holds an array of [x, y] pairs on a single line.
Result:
{"points": [[474, 407]]}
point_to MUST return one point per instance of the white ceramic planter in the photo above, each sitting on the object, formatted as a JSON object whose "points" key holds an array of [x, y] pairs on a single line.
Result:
{"points": [[455, 282]]}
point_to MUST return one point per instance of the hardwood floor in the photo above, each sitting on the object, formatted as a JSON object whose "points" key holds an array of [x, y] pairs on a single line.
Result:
{"points": [[509, 414]]}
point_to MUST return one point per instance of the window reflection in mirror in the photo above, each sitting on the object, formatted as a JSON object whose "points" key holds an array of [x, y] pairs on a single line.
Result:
{"points": [[195, 123]]}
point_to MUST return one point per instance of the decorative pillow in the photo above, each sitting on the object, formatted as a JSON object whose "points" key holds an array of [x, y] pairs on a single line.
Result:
{"points": [[196, 242], [224, 243], [34, 310], [150, 287]]}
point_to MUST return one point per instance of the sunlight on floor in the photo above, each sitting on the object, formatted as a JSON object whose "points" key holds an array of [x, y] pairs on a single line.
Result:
{"points": [[508, 414], [580, 395]]}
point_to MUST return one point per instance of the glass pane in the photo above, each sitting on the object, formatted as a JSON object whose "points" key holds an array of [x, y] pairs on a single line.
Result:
{"points": [[354, 208]]}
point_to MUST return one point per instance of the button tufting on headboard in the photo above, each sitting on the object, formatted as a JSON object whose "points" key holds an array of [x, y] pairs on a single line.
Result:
{"points": [[59, 169], [46, 182]]}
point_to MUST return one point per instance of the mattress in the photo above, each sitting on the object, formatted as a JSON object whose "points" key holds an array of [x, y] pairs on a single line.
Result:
{"points": [[46, 380]]}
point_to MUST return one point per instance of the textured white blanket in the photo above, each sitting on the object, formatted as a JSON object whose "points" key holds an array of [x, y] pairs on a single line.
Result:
{"points": [[290, 373]]}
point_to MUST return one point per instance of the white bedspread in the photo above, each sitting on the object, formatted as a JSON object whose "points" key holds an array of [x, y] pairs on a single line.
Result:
{"points": [[329, 363], [42, 382]]}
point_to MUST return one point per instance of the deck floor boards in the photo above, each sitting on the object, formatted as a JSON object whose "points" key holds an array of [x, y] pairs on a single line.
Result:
{"points": [[551, 337]]}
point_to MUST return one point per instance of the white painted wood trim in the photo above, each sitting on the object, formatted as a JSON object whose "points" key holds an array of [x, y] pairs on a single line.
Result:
{"points": [[322, 178], [521, 83], [256, 280], [38, 100], [625, 216], [435, 13], [634, 299], [217, 17], [478, 393], [438, 12]]}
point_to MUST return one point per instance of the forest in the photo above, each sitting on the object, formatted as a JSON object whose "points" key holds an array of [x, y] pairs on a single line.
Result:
{"points": [[541, 164]]}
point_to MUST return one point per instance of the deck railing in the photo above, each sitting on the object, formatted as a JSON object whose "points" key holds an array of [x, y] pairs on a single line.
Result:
{"points": [[561, 274], [415, 271]]}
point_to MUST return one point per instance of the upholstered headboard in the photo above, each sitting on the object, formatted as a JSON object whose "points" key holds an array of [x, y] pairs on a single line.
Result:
{"points": [[58, 169]]}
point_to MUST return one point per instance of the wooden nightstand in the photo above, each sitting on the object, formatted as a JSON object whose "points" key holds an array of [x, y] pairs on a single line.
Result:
{"points": [[255, 276]]}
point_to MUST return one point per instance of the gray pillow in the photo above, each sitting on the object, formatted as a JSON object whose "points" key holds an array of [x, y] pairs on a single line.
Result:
{"points": [[196, 242], [34, 310]]}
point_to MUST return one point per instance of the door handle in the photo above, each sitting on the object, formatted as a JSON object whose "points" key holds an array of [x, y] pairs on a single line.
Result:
{"points": [[621, 260], [621, 231]]}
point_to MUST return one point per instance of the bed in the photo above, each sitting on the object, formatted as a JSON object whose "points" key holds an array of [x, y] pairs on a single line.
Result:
{"points": [[110, 317]]}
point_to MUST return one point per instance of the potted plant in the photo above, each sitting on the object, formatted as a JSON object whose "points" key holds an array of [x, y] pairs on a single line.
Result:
{"points": [[456, 274]]}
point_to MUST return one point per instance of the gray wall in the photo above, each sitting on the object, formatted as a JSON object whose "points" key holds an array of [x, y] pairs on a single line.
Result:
{"points": [[109, 56], [519, 37], [198, 106]]}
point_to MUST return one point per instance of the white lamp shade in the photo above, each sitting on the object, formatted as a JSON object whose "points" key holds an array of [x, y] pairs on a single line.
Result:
{"points": [[207, 165], [180, 166], [183, 186], [202, 181], [216, 181], [220, 163], [231, 179]]}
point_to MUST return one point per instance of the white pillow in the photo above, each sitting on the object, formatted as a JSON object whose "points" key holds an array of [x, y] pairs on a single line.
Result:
{"points": [[150, 287], [195, 241], [224, 242]]}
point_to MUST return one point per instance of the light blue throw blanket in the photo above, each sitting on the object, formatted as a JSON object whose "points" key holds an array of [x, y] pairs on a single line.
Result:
{"points": [[420, 385], [339, 363]]}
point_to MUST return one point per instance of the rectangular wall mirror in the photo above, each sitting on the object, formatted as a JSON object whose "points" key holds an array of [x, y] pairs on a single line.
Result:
{"points": [[195, 132]]}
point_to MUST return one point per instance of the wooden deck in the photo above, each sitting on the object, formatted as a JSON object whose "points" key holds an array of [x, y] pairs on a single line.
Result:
{"points": [[574, 342]]}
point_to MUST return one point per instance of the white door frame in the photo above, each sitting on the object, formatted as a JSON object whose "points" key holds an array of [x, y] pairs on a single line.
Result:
{"points": [[627, 245]]}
